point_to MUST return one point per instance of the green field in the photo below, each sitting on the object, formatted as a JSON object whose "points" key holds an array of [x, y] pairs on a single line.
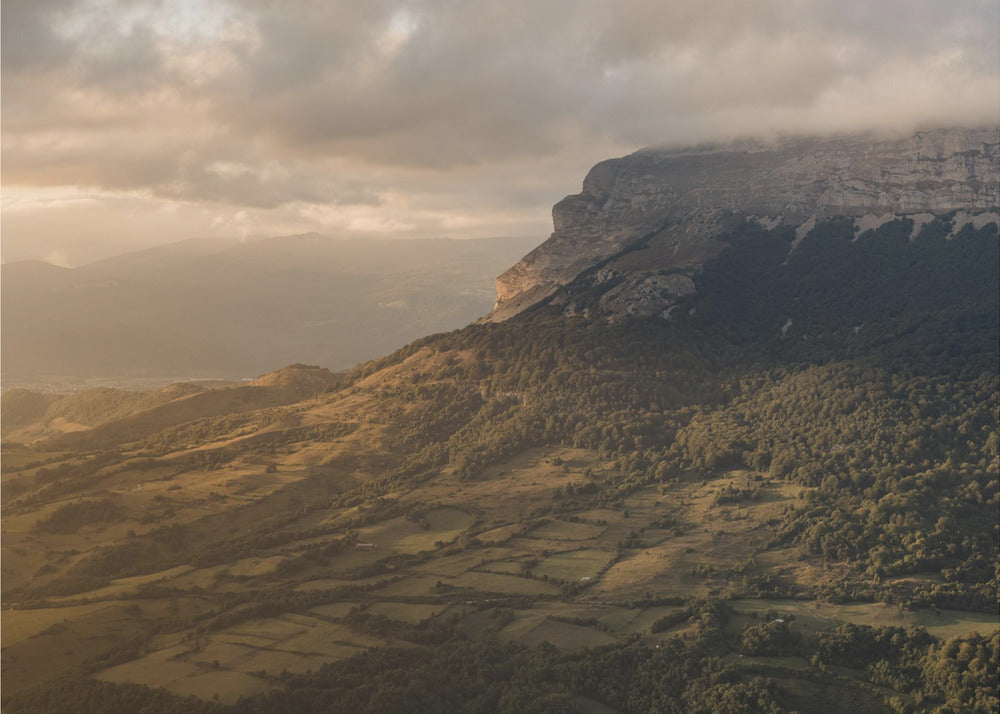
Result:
{"points": [[406, 612], [501, 534], [507, 584], [943, 624], [565, 635], [20, 625], [642, 620], [334, 610], [253, 567], [232, 657], [401, 535], [574, 565], [566, 530], [513, 566], [453, 565]]}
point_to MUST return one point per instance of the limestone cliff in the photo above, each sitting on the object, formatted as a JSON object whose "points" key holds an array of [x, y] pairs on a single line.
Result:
{"points": [[675, 202]]}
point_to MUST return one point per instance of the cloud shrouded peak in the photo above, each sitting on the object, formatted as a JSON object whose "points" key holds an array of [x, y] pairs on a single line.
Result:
{"points": [[427, 117]]}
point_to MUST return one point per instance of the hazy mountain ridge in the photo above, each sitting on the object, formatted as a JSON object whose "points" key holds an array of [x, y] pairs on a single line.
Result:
{"points": [[224, 309], [675, 203]]}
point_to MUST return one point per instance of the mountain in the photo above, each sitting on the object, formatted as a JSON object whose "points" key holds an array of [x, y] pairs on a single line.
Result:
{"points": [[671, 205], [769, 485], [217, 308]]}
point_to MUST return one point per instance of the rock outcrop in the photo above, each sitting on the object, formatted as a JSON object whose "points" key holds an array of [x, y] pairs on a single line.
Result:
{"points": [[676, 202]]}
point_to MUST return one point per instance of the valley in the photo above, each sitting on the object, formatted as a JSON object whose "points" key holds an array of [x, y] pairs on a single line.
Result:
{"points": [[776, 493], [434, 357], [575, 578]]}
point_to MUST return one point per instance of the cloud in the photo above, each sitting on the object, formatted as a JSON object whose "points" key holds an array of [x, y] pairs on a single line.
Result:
{"points": [[486, 106]]}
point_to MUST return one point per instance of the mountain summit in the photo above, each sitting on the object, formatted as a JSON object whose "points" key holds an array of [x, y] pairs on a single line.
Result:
{"points": [[674, 204]]}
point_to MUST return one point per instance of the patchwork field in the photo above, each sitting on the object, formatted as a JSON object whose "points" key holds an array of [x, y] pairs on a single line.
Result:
{"points": [[238, 656], [574, 579], [39, 641]]}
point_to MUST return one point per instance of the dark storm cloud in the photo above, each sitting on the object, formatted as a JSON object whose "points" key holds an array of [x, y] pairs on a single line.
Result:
{"points": [[265, 104]]}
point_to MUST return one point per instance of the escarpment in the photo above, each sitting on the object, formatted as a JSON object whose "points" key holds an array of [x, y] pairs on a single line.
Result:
{"points": [[674, 204]]}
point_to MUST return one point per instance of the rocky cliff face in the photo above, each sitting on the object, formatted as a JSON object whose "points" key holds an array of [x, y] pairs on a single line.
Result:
{"points": [[675, 203]]}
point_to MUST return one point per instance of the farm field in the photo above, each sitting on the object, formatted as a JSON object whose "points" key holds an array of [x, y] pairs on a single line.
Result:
{"points": [[564, 635], [574, 565], [566, 530], [412, 613], [236, 657], [176, 568], [583, 549], [815, 616]]}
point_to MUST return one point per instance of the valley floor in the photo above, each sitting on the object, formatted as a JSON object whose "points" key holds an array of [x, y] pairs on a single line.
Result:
{"points": [[502, 557]]}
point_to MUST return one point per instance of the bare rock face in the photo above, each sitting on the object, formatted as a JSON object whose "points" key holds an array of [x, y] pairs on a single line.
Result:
{"points": [[677, 202]]}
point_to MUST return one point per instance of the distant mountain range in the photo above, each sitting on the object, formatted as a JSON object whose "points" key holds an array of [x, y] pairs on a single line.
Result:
{"points": [[221, 308]]}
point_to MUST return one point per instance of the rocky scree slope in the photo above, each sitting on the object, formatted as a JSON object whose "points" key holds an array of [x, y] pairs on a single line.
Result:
{"points": [[676, 203]]}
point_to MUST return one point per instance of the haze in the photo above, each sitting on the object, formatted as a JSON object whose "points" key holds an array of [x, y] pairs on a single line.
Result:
{"points": [[128, 124]]}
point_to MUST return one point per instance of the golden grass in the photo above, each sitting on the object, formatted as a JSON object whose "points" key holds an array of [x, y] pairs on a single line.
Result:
{"points": [[507, 584], [19, 625], [158, 669], [641, 621], [501, 534], [612, 616], [406, 612], [335, 583], [222, 662], [817, 615], [513, 566], [254, 567], [400, 535], [566, 530], [334, 610], [574, 565], [453, 565], [565, 635], [413, 586]]}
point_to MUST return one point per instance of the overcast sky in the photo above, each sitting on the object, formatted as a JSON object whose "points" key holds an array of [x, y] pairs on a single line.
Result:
{"points": [[131, 123]]}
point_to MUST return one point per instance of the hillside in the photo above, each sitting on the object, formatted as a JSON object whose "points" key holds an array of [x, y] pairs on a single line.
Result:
{"points": [[103, 418], [215, 308], [773, 489]]}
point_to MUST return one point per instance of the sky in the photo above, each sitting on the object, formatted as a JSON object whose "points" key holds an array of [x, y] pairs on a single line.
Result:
{"points": [[131, 123]]}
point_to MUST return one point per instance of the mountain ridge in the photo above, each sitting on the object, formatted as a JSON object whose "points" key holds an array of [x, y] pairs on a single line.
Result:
{"points": [[679, 201]]}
